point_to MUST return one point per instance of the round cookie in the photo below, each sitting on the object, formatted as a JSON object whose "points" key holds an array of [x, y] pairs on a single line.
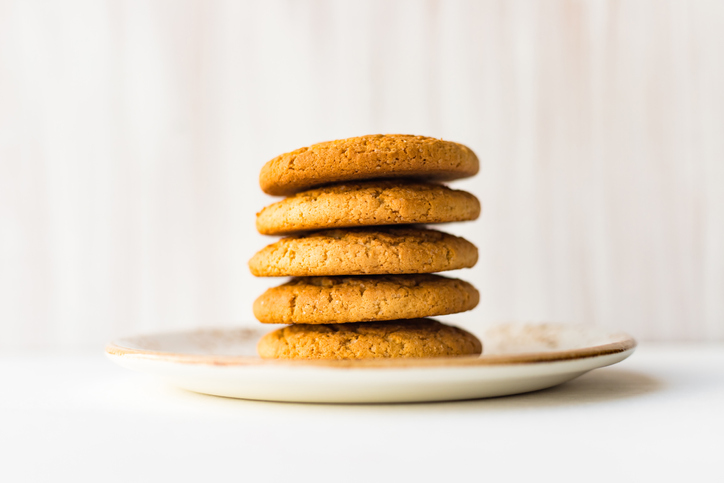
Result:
{"points": [[367, 157], [395, 339], [335, 300], [361, 251], [368, 203]]}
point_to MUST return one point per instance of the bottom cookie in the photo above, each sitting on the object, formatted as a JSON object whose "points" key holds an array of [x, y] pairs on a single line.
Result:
{"points": [[365, 340]]}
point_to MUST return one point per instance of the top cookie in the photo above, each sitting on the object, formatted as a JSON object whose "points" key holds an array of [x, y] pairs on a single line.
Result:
{"points": [[367, 203], [367, 157]]}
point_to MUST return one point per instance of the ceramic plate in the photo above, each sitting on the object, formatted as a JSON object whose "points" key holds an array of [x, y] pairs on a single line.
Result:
{"points": [[516, 358]]}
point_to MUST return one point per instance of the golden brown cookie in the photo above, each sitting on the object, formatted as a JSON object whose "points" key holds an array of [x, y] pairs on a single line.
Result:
{"points": [[368, 203], [399, 338], [377, 251], [336, 300], [367, 157]]}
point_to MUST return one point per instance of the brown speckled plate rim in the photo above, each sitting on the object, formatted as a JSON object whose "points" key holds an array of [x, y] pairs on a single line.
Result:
{"points": [[625, 343]]}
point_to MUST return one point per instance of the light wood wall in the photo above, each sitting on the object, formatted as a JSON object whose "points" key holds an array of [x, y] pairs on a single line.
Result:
{"points": [[132, 133]]}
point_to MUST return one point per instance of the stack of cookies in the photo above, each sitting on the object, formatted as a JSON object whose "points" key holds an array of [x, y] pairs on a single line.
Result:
{"points": [[362, 265]]}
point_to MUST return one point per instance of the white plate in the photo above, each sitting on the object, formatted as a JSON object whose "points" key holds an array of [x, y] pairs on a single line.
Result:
{"points": [[516, 358]]}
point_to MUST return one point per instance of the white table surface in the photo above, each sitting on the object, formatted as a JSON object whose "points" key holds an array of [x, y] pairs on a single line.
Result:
{"points": [[658, 416]]}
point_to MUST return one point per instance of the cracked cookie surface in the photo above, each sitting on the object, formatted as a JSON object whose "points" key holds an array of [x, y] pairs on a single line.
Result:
{"points": [[370, 203], [367, 157], [394, 339], [335, 300], [364, 251]]}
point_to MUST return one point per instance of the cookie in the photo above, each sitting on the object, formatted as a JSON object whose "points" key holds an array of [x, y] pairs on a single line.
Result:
{"points": [[367, 157], [363, 251], [336, 300], [400, 338], [367, 204]]}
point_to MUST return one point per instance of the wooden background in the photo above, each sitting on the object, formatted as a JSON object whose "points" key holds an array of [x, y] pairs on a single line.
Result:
{"points": [[132, 133]]}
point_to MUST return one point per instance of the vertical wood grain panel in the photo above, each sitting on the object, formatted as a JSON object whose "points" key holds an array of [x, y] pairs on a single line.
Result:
{"points": [[131, 135]]}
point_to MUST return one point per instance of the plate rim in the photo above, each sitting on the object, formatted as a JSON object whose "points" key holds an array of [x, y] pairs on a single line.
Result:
{"points": [[116, 349]]}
